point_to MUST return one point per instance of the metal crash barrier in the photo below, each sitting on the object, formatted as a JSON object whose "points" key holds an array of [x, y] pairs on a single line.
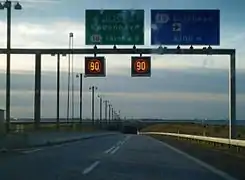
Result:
{"points": [[233, 142]]}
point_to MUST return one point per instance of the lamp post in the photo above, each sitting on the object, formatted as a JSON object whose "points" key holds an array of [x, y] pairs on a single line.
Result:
{"points": [[100, 109], [8, 5], [69, 75], [58, 91], [72, 77], [112, 114], [106, 106], [109, 119], [119, 114], [80, 76], [92, 88]]}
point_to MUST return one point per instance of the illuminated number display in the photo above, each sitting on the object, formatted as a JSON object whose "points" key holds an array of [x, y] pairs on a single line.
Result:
{"points": [[141, 66], [95, 66]]}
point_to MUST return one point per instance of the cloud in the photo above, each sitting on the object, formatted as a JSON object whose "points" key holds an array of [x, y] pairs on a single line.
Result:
{"points": [[180, 86], [49, 35], [185, 93], [53, 33], [162, 80], [42, 1]]}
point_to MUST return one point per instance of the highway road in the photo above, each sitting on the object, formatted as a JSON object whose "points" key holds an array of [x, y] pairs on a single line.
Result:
{"points": [[115, 157]]}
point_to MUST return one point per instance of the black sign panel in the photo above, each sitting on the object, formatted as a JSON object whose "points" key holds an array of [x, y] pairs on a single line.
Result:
{"points": [[141, 66], [95, 67]]}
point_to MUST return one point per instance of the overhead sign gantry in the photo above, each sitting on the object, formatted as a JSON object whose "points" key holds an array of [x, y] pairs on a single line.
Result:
{"points": [[126, 27]]}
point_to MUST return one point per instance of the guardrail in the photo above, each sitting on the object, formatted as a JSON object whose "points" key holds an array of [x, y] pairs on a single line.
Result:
{"points": [[232, 142]]}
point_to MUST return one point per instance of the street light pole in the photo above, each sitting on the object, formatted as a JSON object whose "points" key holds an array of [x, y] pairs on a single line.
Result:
{"points": [[72, 79], [112, 114], [109, 114], [58, 93], [119, 114], [106, 104], [8, 88], [8, 5], [100, 109], [81, 98], [93, 88], [69, 75]]}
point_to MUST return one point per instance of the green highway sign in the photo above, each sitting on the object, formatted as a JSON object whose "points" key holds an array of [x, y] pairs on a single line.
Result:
{"points": [[114, 27]]}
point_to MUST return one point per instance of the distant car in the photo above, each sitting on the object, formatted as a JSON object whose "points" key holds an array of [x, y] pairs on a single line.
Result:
{"points": [[130, 130]]}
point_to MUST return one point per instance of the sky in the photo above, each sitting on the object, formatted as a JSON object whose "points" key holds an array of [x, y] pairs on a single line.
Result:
{"points": [[180, 86]]}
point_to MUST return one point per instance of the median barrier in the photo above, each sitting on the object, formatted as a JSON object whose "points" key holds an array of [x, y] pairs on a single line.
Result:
{"points": [[231, 142]]}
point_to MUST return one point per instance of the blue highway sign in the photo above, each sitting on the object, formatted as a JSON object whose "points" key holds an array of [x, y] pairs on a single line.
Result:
{"points": [[185, 27]]}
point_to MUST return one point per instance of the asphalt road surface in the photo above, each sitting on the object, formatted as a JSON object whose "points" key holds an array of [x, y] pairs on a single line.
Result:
{"points": [[115, 157]]}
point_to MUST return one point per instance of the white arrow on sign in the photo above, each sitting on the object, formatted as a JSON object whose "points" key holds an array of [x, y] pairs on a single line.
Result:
{"points": [[176, 27]]}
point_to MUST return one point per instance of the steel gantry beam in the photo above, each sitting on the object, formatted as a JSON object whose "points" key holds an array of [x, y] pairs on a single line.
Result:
{"points": [[160, 51]]}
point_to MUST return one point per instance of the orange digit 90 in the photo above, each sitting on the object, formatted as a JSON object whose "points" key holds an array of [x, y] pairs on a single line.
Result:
{"points": [[94, 66], [141, 66]]}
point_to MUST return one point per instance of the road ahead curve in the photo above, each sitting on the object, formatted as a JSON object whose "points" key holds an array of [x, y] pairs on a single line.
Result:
{"points": [[116, 157]]}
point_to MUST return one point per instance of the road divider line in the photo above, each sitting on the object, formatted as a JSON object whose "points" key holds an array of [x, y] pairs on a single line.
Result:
{"points": [[125, 139], [115, 150], [31, 151], [119, 143], [109, 150], [122, 143], [91, 167]]}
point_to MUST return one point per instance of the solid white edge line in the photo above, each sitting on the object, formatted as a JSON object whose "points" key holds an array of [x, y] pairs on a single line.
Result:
{"points": [[115, 150], [31, 151], [201, 163], [90, 168], [109, 150]]}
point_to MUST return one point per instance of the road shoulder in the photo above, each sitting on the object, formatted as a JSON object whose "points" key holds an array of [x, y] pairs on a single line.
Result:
{"points": [[228, 163]]}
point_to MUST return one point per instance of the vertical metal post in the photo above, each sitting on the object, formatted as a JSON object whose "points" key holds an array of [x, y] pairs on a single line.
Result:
{"points": [[119, 118], [112, 114], [100, 110], [109, 119], [58, 93], [68, 83], [232, 97], [37, 109], [8, 73], [81, 98], [93, 105], [72, 82], [106, 111]]}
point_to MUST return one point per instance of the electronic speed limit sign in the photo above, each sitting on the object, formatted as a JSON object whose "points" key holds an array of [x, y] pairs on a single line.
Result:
{"points": [[95, 67], [140, 66]]}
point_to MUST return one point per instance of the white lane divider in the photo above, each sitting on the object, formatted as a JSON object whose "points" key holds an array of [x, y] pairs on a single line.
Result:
{"points": [[116, 147], [119, 143], [115, 150], [109, 150], [90, 168]]}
